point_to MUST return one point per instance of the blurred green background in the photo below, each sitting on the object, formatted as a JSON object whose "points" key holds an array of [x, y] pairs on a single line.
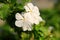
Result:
{"points": [[49, 11]]}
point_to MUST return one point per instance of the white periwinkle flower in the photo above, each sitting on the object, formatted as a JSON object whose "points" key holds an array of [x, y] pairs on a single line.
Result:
{"points": [[30, 17], [33, 11], [22, 22]]}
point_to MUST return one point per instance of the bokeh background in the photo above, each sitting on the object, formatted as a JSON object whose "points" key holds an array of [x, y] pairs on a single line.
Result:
{"points": [[49, 11]]}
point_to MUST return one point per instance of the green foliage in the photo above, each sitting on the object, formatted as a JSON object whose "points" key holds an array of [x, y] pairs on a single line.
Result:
{"points": [[4, 11], [12, 1], [7, 33], [51, 17], [8, 9]]}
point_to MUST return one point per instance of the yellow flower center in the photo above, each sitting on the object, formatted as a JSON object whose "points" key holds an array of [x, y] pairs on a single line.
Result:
{"points": [[30, 10]]}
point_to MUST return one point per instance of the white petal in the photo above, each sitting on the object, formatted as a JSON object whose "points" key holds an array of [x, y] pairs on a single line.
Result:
{"points": [[29, 29], [36, 18], [36, 10], [36, 21], [29, 17], [24, 28], [18, 16], [27, 9], [19, 23], [30, 5], [40, 19], [27, 26]]}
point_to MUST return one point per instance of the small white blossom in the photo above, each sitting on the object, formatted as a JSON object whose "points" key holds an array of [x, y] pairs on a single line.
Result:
{"points": [[30, 17], [33, 12], [23, 22]]}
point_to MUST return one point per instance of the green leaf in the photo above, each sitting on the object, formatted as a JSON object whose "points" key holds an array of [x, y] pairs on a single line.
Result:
{"points": [[20, 7], [37, 27], [25, 1], [41, 38], [4, 11], [3, 1], [12, 1], [7, 33]]}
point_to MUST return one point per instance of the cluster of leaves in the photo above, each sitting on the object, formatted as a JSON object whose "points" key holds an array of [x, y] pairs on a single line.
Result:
{"points": [[52, 19], [8, 9], [9, 6]]}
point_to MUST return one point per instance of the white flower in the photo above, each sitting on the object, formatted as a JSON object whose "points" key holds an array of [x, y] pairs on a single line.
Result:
{"points": [[23, 22], [30, 17], [31, 8], [33, 12]]}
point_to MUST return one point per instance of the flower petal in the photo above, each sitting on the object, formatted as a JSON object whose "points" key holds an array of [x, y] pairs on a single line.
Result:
{"points": [[27, 9], [18, 16], [19, 23], [36, 10], [30, 5], [24, 28], [40, 19], [27, 26], [29, 17]]}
